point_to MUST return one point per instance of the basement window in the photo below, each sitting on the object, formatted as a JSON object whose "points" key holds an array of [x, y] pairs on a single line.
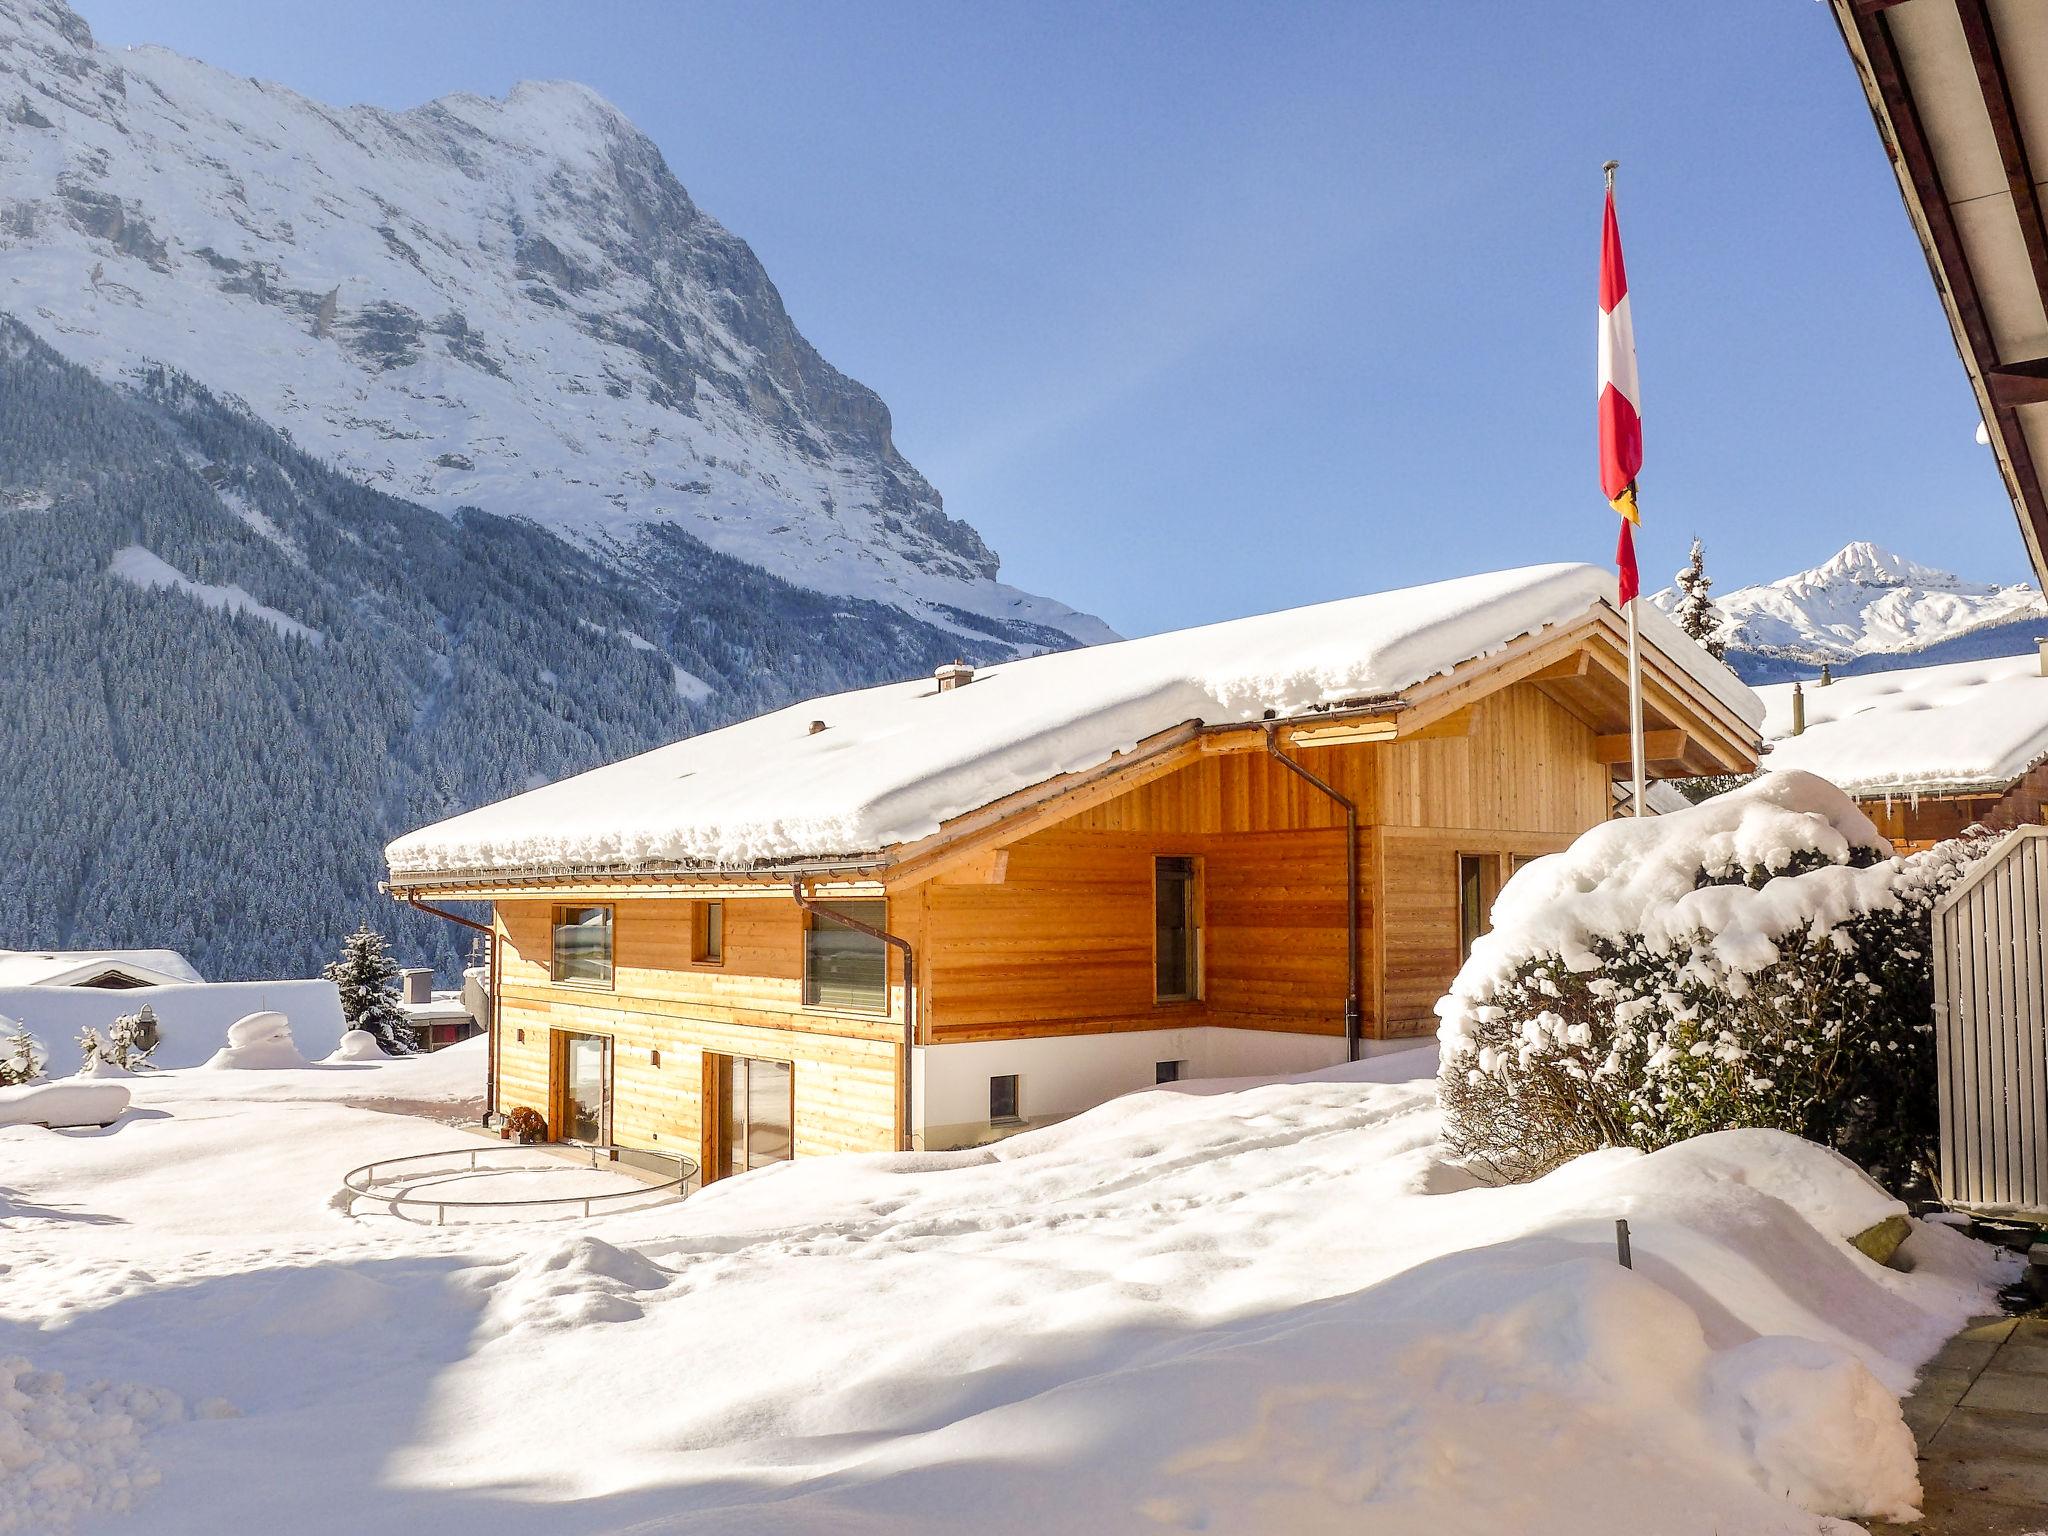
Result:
{"points": [[1177, 939], [1169, 1071], [1002, 1100], [844, 969], [582, 946], [707, 932]]}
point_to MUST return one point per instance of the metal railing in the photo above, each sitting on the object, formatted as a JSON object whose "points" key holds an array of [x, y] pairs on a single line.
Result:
{"points": [[362, 1183]]}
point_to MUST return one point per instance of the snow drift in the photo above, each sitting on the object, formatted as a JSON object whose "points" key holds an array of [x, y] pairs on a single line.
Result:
{"points": [[262, 1041], [191, 1019], [72, 1102]]}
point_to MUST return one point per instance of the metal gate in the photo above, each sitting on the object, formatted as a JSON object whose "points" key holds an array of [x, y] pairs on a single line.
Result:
{"points": [[1991, 1030]]}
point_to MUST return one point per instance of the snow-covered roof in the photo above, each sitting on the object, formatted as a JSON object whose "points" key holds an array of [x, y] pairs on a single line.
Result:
{"points": [[893, 762], [73, 967], [1921, 730]]}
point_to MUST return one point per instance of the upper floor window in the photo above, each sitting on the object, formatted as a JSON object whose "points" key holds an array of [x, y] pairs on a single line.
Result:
{"points": [[1177, 939], [583, 945], [846, 969], [707, 932]]}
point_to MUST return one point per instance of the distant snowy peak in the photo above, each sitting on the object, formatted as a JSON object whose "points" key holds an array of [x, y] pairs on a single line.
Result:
{"points": [[1864, 603], [509, 304]]}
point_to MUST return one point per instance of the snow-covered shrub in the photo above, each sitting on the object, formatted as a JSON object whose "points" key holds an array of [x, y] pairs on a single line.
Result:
{"points": [[125, 1046], [364, 976], [22, 1056], [1758, 960]]}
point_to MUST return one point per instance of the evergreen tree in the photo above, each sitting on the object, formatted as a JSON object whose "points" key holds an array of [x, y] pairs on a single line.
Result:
{"points": [[1696, 614], [21, 1057], [363, 975]]}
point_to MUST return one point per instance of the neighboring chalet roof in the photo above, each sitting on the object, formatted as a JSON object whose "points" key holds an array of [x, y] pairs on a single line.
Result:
{"points": [[891, 765], [1959, 89], [82, 967], [1969, 726]]}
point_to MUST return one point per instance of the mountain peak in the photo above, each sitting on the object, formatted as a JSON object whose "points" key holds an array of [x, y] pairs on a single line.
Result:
{"points": [[1872, 565]]}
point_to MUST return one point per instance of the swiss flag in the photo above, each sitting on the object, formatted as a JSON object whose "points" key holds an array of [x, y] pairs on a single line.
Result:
{"points": [[1621, 422]]}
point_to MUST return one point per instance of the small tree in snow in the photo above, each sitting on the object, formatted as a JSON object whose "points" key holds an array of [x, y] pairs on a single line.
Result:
{"points": [[131, 1038], [21, 1057], [364, 976], [1696, 614]]}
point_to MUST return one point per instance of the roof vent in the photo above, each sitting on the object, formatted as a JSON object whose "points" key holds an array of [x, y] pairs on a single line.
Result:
{"points": [[955, 674], [817, 726]]}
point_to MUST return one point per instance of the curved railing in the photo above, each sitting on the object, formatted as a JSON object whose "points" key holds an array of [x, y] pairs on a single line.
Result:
{"points": [[363, 1182]]}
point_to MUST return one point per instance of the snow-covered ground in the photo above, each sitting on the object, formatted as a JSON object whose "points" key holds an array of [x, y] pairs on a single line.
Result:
{"points": [[1248, 1307]]}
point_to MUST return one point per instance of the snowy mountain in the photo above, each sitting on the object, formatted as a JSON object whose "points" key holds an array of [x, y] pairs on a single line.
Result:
{"points": [[504, 304], [1869, 610], [360, 467]]}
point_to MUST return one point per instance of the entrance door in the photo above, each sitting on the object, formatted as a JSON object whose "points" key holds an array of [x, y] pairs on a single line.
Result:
{"points": [[585, 1101], [748, 1113]]}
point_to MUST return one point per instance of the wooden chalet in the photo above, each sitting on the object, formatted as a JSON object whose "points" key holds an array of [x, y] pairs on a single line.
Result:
{"points": [[1928, 752], [927, 914]]}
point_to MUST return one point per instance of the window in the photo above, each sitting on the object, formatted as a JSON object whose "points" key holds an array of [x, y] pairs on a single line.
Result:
{"points": [[1169, 1071], [583, 945], [749, 1113], [1478, 884], [707, 932], [844, 968], [1002, 1099], [1177, 946]]}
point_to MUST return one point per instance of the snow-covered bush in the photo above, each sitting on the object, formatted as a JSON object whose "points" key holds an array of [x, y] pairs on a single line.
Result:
{"points": [[22, 1056], [364, 975], [1758, 960], [125, 1046]]}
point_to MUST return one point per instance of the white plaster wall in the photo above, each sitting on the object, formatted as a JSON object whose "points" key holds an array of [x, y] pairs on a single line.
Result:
{"points": [[1065, 1074]]}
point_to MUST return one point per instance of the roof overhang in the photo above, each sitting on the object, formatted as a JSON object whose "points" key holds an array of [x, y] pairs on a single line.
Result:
{"points": [[1581, 666], [1959, 90]]}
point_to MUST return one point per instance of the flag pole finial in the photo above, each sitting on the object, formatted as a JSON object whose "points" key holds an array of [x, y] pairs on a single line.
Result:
{"points": [[1609, 169]]}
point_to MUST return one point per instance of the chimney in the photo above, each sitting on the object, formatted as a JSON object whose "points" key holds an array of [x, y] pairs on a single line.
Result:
{"points": [[416, 984], [816, 726], [2041, 645], [1827, 675], [1798, 709], [955, 674]]}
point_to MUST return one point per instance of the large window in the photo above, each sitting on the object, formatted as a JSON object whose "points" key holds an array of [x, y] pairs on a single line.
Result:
{"points": [[846, 969], [1478, 884], [749, 1113], [583, 945], [1177, 937], [707, 932]]}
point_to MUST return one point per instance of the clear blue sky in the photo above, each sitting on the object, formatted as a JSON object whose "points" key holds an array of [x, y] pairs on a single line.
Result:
{"points": [[1197, 310]]}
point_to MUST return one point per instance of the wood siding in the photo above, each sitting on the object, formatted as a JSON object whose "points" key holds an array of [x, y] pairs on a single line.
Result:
{"points": [[1911, 823], [661, 1004]]}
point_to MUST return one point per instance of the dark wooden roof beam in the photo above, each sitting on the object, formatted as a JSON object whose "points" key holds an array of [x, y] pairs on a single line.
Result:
{"points": [[2019, 383]]}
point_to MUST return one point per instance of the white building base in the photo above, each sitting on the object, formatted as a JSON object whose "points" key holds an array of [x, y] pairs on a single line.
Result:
{"points": [[1061, 1075]]}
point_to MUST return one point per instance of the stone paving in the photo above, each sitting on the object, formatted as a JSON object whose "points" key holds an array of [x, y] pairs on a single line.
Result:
{"points": [[1981, 1417]]}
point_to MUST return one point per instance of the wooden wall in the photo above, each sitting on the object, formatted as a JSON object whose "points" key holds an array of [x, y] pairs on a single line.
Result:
{"points": [[1910, 824], [844, 1065], [1058, 936]]}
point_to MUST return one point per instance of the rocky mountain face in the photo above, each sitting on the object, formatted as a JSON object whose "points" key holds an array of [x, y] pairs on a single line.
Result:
{"points": [[510, 305], [1869, 610], [359, 467]]}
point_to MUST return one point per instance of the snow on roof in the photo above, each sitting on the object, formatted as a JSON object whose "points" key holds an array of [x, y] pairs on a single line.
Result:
{"points": [[70, 967], [894, 762], [1921, 730]]}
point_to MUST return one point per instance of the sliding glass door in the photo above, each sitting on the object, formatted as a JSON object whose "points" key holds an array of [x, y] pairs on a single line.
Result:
{"points": [[749, 1110]]}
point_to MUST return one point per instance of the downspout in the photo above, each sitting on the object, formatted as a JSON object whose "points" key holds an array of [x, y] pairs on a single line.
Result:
{"points": [[497, 1000], [1354, 1014], [894, 941]]}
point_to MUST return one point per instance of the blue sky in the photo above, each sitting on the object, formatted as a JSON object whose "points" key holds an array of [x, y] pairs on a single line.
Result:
{"points": [[1198, 310]]}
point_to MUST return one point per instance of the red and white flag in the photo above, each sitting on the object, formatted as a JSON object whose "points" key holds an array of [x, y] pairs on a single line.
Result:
{"points": [[1621, 422]]}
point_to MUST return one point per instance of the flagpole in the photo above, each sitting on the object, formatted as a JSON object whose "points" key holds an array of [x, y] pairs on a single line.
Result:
{"points": [[1635, 654]]}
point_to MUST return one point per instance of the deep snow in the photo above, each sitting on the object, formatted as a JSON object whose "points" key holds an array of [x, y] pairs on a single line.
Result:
{"points": [[1244, 1307]]}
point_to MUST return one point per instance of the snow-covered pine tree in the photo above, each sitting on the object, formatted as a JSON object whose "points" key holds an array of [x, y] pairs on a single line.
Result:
{"points": [[1696, 614], [363, 975], [21, 1057]]}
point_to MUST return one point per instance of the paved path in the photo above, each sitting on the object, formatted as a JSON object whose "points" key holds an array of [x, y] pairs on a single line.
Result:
{"points": [[1981, 1417]]}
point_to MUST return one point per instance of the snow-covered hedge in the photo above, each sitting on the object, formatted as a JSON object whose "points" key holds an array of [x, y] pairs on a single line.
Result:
{"points": [[1760, 959]]}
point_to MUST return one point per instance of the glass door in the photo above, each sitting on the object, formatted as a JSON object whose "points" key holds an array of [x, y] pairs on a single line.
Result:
{"points": [[587, 1075], [749, 1104]]}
